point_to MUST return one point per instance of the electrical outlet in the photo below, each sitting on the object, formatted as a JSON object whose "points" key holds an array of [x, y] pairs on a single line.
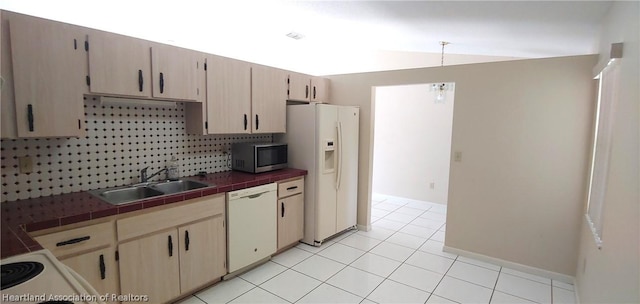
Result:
{"points": [[432, 185], [25, 164], [457, 156]]}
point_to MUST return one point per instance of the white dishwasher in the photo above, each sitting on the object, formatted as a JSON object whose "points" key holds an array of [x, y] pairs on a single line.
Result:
{"points": [[251, 225]]}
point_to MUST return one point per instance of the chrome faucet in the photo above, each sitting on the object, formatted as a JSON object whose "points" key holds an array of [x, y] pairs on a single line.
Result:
{"points": [[145, 178]]}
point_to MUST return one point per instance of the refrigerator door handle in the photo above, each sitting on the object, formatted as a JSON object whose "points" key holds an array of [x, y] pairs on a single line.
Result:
{"points": [[339, 151]]}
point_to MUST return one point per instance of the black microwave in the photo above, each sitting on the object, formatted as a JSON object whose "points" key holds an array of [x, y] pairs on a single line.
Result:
{"points": [[258, 157]]}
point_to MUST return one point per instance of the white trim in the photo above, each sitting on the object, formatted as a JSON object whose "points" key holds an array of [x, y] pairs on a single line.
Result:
{"points": [[575, 291], [364, 227], [406, 199], [591, 225], [520, 267]]}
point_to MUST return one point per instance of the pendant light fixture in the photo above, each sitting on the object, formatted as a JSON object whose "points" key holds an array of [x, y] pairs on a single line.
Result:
{"points": [[441, 88]]}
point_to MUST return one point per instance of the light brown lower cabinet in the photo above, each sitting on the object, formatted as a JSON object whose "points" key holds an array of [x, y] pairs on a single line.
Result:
{"points": [[99, 268], [162, 254], [150, 266], [202, 252], [290, 220], [174, 251], [290, 212], [89, 250]]}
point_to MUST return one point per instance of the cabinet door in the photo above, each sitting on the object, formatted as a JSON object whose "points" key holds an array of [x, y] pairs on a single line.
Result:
{"points": [[174, 73], [119, 65], [150, 266], [299, 87], [99, 268], [7, 104], [196, 112], [48, 67], [290, 220], [228, 96], [319, 89], [268, 100], [203, 252]]}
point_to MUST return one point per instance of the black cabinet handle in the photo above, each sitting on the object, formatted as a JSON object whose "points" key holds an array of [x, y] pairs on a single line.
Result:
{"points": [[306, 92], [257, 122], [292, 188], [282, 209], [186, 240], [170, 247], [73, 241], [30, 117], [161, 83], [140, 80], [314, 92], [103, 268], [246, 122]]}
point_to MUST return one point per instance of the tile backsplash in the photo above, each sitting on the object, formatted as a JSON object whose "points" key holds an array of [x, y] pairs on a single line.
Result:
{"points": [[120, 141]]}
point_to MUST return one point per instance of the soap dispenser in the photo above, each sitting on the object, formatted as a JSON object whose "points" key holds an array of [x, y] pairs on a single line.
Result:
{"points": [[173, 169]]}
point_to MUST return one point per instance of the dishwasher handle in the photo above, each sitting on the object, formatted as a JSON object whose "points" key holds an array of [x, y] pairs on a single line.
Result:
{"points": [[252, 196]]}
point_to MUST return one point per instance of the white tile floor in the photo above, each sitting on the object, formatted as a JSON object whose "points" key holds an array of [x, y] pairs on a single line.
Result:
{"points": [[399, 261]]}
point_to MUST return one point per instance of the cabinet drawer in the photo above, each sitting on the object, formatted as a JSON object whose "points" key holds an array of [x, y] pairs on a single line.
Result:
{"points": [[151, 222], [79, 239], [290, 188]]}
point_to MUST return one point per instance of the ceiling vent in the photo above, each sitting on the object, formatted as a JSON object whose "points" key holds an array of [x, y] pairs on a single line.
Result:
{"points": [[295, 35]]}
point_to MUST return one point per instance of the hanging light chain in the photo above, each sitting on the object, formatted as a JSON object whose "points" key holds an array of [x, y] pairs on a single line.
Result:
{"points": [[443, 43]]}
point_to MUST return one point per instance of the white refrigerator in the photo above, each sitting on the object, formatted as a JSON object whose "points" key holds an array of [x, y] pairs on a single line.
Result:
{"points": [[323, 139]]}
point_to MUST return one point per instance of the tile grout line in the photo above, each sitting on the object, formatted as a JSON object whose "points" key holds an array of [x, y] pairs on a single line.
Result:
{"points": [[493, 291], [441, 279]]}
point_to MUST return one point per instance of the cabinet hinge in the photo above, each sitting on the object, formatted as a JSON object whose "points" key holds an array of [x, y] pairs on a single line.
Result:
{"points": [[117, 255], [206, 125], [86, 45], [88, 80], [205, 66]]}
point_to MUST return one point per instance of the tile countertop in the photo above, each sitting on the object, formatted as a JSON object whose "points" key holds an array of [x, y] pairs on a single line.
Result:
{"points": [[20, 217]]}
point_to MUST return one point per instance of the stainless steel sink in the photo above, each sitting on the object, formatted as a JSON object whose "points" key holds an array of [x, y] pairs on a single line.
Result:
{"points": [[171, 187], [124, 195], [128, 194]]}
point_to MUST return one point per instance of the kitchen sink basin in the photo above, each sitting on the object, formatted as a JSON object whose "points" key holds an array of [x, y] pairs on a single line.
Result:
{"points": [[170, 187], [128, 194], [124, 195]]}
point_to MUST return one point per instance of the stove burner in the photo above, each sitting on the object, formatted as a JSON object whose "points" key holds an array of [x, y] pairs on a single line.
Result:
{"points": [[17, 273]]}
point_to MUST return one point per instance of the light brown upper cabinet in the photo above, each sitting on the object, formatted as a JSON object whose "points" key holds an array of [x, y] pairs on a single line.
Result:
{"points": [[319, 89], [45, 75], [299, 87], [174, 72], [241, 98], [308, 88], [118, 65], [268, 99], [228, 96]]}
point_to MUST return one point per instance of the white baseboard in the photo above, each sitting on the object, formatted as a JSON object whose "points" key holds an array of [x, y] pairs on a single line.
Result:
{"points": [[406, 199], [520, 267], [364, 228]]}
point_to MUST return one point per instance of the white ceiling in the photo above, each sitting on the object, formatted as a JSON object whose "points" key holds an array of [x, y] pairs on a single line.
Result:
{"points": [[344, 36]]}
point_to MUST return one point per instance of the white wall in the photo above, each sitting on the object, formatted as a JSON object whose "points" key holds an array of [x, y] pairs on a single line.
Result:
{"points": [[612, 274], [412, 142], [524, 128]]}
